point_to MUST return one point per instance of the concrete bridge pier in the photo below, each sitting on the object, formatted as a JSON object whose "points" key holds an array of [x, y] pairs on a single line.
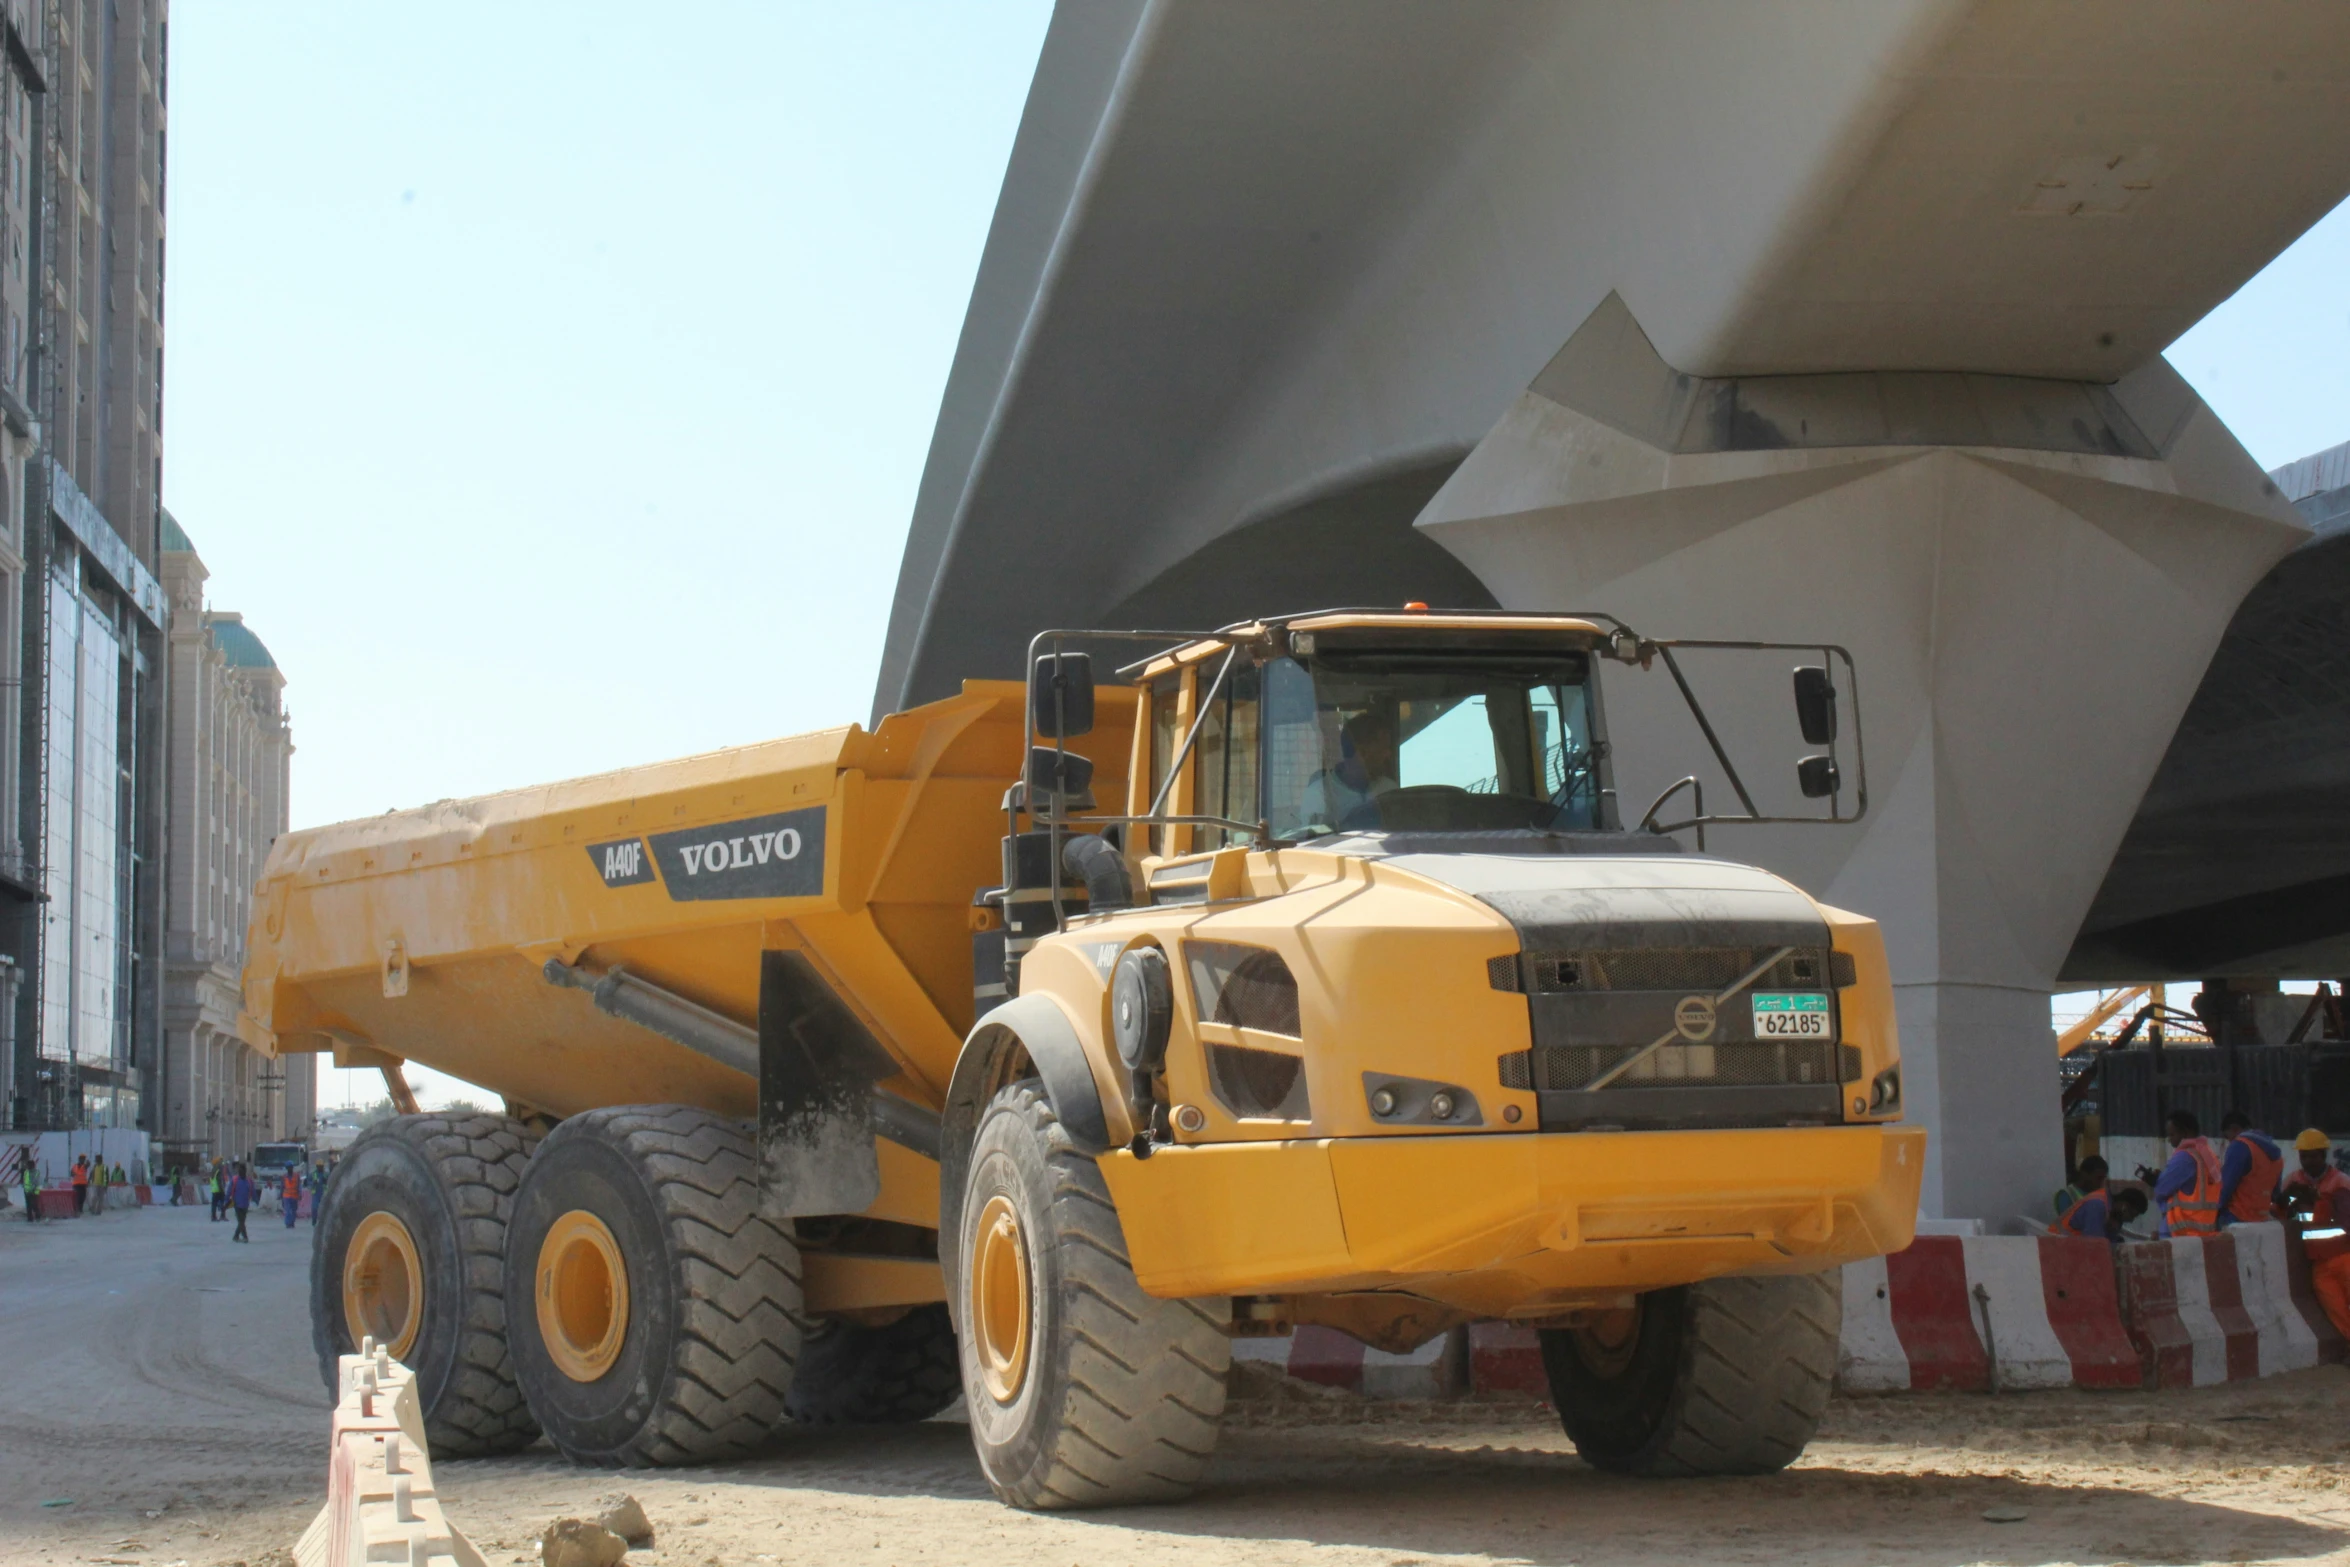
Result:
{"points": [[2031, 575]]}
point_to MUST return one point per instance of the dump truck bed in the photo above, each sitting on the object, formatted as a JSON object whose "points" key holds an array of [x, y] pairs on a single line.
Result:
{"points": [[422, 935]]}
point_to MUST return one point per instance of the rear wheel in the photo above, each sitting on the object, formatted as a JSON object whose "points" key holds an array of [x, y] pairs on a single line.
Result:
{"points": [[409, 1251], [1729, 1376], [1083, 1391], [657, 1310], [892, 1375]]}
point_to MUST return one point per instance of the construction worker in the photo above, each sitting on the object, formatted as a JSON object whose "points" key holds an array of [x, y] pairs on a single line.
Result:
{"points": [[2315, 1203], [2248, 1171], [2088, 1177], [98, 1186], [2187, 1191], [2099, 1212], [81, 1184], [32, 1188], [242, 1194], [290, 1194], [219, 1189]]}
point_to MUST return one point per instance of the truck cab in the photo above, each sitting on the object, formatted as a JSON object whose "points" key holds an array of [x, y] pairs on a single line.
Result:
{"points": [[1393, 1024]]}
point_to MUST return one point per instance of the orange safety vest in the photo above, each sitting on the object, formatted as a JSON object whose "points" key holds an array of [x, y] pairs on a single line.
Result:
{"points": [[293, 1186], [2195, 1210], [2331, 1211], [2064, 1220], [2258, 1189]]}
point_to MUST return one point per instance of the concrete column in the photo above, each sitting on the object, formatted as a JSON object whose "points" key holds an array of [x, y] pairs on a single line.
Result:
{"points": [[2031, 576]]}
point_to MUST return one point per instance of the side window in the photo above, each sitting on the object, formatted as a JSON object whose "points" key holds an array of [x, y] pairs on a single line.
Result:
{"points": [[1227, 756], [1564, 765], [1298, 735]]}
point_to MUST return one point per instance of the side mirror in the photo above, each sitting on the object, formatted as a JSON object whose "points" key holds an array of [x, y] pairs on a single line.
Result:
{"points": [[1817, 777], [1060, 772], [1060, 695], [1815, 705]]}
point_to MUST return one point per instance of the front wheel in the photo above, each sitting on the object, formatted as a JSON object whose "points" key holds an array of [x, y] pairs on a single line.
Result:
{"points": [[1729, 1376], [1083, 1391]]}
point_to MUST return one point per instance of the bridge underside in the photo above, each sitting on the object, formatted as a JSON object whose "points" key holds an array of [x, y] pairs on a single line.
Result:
{"points": [[1809, 319], [2238, 860]]}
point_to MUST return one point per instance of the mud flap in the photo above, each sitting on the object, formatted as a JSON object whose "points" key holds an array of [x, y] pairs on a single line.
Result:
{"points": [[817, 1068]]}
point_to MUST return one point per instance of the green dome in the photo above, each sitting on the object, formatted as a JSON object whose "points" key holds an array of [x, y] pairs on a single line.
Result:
{"points": [[175, 537], [239, 646]]}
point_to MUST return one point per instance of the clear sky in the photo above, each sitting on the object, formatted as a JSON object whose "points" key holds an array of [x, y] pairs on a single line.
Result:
{"points": [[548, 385]]}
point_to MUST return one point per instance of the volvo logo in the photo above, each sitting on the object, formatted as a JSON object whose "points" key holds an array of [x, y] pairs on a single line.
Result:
{"points": [[1694, 1017]]}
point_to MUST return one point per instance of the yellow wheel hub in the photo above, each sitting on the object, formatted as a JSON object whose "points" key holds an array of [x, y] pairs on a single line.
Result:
{"points": [[999, 1304], [582, 1296], [383, 1285]]}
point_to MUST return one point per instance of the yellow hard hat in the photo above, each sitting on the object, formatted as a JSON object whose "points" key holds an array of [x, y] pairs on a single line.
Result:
{"points": [[2312, 1141]]}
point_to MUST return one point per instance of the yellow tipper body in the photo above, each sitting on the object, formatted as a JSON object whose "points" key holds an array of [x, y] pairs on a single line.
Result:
{"points": [[420, 935]]}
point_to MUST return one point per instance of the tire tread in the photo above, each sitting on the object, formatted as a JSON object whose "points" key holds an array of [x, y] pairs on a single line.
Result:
{"points": [[739, 1310], [1145, 1380], [478, 1159]]}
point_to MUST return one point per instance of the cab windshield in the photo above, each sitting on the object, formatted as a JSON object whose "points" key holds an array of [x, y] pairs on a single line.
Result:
{"points": [[1427, 741]]}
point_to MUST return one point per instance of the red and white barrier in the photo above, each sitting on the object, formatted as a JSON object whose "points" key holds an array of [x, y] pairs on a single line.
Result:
{"points": [[1973, 1313], [1960, 1313], [1505, 1358], [1437, 1369], [2222, 1308]]}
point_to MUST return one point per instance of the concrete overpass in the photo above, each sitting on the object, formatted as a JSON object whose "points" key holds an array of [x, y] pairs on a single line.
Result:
{"points": [[1801, 319]]}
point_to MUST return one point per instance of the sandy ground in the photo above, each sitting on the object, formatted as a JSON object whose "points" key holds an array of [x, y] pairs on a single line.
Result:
{"points": [[158, 1388]]}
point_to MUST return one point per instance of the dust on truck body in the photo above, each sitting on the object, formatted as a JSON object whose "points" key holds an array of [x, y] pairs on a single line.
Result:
{"points": [[1035, 1045]]}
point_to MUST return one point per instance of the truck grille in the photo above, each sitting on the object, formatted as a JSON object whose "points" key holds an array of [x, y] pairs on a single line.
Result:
{"points": [[1681, 970], [1595, 1010], [1799, 1061]]}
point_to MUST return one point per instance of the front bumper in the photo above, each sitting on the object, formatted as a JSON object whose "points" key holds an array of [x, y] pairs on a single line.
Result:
{"points": [[1515, 1223]]}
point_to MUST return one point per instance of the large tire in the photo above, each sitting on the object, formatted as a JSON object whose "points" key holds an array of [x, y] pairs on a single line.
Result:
{"points": [[696, 1366], [429, 1198], [893, 1375], [1727, 1377], [1117, 1395]]}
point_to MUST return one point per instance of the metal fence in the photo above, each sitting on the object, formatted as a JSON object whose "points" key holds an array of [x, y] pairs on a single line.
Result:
{"points": [[2283, 1088]]}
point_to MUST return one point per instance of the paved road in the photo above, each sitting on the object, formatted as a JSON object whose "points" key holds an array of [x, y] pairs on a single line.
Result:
{"points": [[161, 1378]]}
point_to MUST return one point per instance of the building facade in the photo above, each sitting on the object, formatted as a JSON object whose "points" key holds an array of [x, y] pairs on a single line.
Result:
{"points": [[81, 355], [230, 751]]}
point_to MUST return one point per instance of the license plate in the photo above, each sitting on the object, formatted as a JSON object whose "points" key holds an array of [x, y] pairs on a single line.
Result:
{"points": [[1790, 1014]]}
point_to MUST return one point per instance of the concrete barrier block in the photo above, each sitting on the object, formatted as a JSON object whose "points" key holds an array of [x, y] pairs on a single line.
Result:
{"points": [[380, 1504], [2265, 1285], [1869, 1355], [1506, 1359], [2083, 1302], [2011, 1312], [1437, 1369], [1934, 1316]]}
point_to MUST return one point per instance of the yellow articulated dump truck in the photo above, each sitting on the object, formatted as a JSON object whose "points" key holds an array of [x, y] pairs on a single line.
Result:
{"points": [[1033, 1046]]}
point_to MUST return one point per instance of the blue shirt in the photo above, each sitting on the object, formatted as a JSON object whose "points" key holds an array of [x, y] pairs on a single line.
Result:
{"points": [[2090, 1217], [2177, 1176], [2236, 1163]]}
